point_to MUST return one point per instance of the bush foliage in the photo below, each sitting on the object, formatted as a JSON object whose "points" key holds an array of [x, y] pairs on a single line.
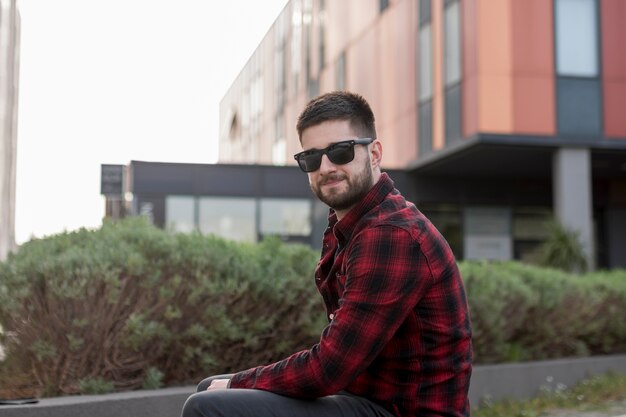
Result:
{"points": [[522, 312], [134, 306], [131, 306], [562, 250]]}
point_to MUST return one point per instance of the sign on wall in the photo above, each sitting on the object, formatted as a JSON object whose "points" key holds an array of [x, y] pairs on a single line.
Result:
{"points": [[112, 180]]}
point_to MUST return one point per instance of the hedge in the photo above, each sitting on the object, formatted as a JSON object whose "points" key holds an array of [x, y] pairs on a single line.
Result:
{"points": [[131, 306], [522, 312]]}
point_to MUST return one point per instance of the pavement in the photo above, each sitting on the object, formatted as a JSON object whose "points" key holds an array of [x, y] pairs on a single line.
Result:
{"points": [[613, 409]]}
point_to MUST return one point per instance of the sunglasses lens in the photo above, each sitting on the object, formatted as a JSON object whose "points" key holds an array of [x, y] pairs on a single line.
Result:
{"points": [[310, 162], [341, 153]]}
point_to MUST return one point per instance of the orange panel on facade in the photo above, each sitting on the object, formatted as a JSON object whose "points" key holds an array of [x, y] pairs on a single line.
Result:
{"points": [[533, 67], [534, 111], [397, 84], [615, 109], [494, 49], [614, 67], [362, 66], [495, 103], [470, 68]]}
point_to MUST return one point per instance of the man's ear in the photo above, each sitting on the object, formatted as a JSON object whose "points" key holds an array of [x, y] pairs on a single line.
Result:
{"points": [[376, 153]]}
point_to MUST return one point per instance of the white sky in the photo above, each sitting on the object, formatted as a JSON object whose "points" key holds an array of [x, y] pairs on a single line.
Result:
{"points": [[107, 82]]}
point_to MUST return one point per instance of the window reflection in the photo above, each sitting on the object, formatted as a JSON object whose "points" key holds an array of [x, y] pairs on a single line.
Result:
{"points": [[179, 213], [231, 218], [285, 217]]}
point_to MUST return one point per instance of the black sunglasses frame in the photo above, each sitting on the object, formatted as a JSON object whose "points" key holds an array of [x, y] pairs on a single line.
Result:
{"points": [[319, 153]]}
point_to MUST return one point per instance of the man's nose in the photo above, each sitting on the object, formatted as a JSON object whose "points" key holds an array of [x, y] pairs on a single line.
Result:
{"points": [[326, 165]]}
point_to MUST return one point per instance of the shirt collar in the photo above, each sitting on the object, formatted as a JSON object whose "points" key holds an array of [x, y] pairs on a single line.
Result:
{"points": [[343, 229]]}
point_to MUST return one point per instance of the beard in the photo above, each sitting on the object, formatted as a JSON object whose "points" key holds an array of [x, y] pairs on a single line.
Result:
{"points": [[358, 187]]}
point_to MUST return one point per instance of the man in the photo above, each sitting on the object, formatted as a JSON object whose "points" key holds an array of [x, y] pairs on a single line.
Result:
{"points": [[398, 342]]}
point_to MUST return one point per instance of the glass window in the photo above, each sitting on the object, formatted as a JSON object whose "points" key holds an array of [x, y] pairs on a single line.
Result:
{"points": [[453, 114], [322, 50], [279, 147], [531, 223], [424, 11], [296, 42], [341, 72], [180, 213], [245, 109], [228, 217], [280, 77], [307, 18], [425, 128], [425, 63], [576, 38], [579, 107], [487, 233], [452, 44], [530, 229], [285, 217]]}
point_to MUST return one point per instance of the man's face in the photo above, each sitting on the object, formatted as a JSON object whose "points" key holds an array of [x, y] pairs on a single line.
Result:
{"points": [[339, 186]]}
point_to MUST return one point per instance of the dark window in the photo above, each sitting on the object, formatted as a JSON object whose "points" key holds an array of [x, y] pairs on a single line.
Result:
{"points": [[424, 11], [383, 4], [322, 50], [579, 107], [577, 64], [313, 88], [340, 75], [425, 128], [452, 71], [453, 114]]}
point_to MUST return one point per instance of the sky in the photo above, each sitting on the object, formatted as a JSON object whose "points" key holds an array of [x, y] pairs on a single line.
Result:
{"points": [[107, 82]]}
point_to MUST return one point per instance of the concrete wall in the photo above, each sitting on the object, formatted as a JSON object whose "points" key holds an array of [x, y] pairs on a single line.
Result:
{"points": [[489, 382], [572, 195], [526, 380], [150, 403]]}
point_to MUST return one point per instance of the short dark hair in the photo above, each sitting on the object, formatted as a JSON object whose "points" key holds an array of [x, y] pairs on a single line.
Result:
{"points": [[339, 105]]}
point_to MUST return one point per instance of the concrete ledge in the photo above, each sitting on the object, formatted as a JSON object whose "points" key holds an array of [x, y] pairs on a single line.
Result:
{"points": [[492, 382], [527, 379], [166, 402]]}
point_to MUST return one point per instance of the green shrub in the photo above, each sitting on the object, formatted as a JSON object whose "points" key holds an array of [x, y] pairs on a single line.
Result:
{"points": [[128, 299], [562, 250], [95, 386], [525, 312], [131, 306], [499, 304], [153, 379]]}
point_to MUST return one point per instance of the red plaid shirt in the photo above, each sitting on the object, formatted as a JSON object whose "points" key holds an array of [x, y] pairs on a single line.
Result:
{"points": [[399, 328]]}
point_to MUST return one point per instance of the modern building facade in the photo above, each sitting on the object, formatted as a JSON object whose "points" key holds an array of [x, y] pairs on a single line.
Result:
{"points": [[242, 202], [9, 77], [502, 114]]}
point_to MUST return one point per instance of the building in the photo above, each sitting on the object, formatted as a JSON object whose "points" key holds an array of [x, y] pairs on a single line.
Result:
{"points": [[501, 113], [236, 201], [9, 75]]}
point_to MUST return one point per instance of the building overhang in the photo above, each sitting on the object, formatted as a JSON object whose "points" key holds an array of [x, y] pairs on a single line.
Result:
{"points": [[508, 156]]}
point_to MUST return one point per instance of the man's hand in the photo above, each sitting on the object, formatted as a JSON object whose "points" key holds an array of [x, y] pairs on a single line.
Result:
{"points": [[218, 384]]}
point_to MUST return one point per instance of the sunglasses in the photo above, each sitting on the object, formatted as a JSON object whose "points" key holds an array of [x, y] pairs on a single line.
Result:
{"points": [[339, 153]]}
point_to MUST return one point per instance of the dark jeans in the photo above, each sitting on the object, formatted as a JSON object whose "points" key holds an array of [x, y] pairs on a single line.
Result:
{"points": [[257, 403]]}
